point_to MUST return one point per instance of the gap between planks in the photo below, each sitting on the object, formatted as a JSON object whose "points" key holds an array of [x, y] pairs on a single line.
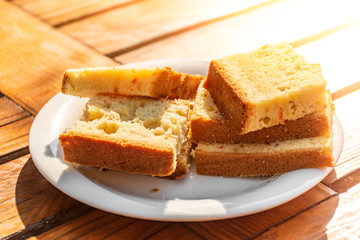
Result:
{"points": [[295, 43], [14, 155], [342, 92], [187, 28], [49, 223], [304, 210], [69, 36], [120, 5], [71, 21], [22, 111], [345, 90], [324, 33], [167, 232]]}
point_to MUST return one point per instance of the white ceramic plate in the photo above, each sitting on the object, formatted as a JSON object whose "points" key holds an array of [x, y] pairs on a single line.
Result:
{"points": [[194, 198]]}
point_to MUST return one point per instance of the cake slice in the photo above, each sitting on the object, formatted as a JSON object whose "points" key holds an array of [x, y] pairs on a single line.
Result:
{"points": [[132, 134], [246, 159], [209, 125], [265, 87], [156, 83]]}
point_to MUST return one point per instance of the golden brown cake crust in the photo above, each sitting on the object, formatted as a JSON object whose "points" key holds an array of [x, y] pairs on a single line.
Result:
{"points": [[158, 83], [238, 164], [266, 86], [220, 130], [182, 162], [173, 85], [181, 170], [235, 106], [125, 157]]}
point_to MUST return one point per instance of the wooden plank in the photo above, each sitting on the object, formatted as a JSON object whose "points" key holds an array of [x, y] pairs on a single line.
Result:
{"points": [[130, 26], [250, 226], [14, 136], [9, 111], [63, 11], [311, 226], [176, 231], [272, 24], [34, 56], [347, 169], [101, 225], [93, 225], [346, 90], [28, 202], [140, 229], [338, 54], [336, 218]]}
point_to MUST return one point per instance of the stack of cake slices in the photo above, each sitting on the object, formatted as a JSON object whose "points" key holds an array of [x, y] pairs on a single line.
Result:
{"points": [[262, 113], [135, 121], [259, 113]]}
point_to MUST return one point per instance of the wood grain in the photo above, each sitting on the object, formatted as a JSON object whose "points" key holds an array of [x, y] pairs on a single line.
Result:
{"points": [[250, 226], [140, 229], [250, 30], [338, 54], [347, 169], [146, 20], [14, 136], [28, 202], [310, 224], [322, 222], [62, 11], [34, 56], [176, 231], [95, 224], [101, 225], [10, 112], [346, 90]]}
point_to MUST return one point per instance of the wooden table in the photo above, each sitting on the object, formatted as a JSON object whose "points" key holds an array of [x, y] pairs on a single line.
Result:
{"points": [[39, 39]]}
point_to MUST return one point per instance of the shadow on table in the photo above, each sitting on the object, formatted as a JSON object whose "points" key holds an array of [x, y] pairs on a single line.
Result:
{"points": [[41, 207], [39, 204]]}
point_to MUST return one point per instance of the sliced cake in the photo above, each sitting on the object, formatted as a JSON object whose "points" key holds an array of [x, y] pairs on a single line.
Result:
{"points": [[265, 87], [156, 83], [306, 142], [246, 159], [209, 125], [133, 134]]}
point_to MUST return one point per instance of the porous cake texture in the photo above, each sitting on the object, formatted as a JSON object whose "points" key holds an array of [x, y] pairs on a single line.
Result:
{"points": [[265, 87], [209, 125], [132, 134]]}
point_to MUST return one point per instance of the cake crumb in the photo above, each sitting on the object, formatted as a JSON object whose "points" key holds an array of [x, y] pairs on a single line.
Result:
{"points": [[154, 190]]}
